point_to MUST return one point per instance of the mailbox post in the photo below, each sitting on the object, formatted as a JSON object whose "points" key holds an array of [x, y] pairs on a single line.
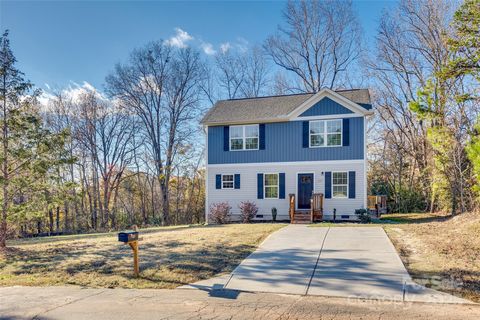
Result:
{"points": [[130, 237]]}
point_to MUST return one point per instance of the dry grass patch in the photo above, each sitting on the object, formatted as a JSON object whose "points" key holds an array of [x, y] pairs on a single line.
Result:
{"points": [[169, 257], [439, 251]]}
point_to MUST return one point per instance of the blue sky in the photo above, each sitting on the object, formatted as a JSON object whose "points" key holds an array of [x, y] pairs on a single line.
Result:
{"points": [[63, 42]]}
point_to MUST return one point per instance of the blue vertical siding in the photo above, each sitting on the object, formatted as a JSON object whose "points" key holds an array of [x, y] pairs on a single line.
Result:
{"points": [[366, 106], [325, 107], [283, 143]]}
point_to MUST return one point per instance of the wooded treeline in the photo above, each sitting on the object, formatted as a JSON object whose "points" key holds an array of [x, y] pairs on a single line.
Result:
{"points": [[86, 159]]}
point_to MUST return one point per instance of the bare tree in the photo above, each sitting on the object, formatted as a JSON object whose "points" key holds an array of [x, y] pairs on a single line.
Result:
{"points": [[317, 44], [411, 50], [161, 86], [256, 79], [114, 136], [230, 73]]}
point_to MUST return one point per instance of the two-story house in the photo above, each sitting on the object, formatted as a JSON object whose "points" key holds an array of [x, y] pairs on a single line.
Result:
{"points": [[264, 149]]}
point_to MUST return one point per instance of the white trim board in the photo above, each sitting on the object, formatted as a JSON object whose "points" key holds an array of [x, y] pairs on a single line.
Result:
{"points": [[206, 173], [328, 117], [290, 163]]}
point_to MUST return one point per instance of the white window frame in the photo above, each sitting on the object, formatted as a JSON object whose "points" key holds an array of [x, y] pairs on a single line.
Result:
{"points": [[325, 134], [244, 137], [347, 185], [265, 185], [233, 181]]}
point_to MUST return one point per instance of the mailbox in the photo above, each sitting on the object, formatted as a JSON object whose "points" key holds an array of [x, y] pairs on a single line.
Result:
{"points": [[128, 236]]}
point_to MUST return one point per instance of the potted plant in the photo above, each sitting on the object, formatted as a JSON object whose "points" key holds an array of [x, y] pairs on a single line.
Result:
{"points": [[274, 214]]}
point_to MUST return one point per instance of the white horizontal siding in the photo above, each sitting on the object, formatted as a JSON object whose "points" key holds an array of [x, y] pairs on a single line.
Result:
{"points": [[248, 190]]}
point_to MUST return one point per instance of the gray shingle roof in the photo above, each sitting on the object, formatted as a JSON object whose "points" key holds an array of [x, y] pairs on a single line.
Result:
{"points": [[270, 108]]}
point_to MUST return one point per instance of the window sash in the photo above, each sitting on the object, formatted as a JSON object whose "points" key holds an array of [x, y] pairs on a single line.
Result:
{"points": [[325, 133], [340, 184], [227, 181], [271, 185], [241, 140]]}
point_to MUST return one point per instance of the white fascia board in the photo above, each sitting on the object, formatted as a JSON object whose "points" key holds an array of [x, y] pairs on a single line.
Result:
{"points": [[327, 117], [240, 122], [290, 163]]}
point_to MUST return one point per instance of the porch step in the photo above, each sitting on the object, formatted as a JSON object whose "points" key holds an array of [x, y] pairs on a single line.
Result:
{"points": [[303, 218]]}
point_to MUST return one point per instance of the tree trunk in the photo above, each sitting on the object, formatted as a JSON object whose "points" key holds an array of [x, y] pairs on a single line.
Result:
{"points": [[50, 220], [58, 219], [74, 195], [165, 203], [67, 220], [3, 224]]}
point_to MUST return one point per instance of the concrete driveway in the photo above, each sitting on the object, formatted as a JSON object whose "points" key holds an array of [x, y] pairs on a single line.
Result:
{"points": [[349, 262]]}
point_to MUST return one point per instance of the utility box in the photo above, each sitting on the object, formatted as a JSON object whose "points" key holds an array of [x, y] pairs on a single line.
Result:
{"points": [[128, 236]]}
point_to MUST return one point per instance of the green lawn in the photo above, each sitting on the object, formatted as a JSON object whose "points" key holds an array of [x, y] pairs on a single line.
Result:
{"points": [[169, 257]]}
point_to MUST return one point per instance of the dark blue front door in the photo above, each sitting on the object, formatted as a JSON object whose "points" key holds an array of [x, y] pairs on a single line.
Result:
{"points": [[305, 188]]}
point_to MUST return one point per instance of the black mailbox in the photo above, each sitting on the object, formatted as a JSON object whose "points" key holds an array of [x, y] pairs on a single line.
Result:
{"points": [[127, 236]]}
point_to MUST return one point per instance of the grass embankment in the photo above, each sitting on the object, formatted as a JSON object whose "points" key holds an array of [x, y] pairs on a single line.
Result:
{"points": [[169, 257], [440, 252]]}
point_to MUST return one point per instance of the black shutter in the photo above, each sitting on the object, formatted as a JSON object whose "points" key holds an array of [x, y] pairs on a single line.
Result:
{"points": [[346, 132], [351, 184], [260, 186], [281, 185], [305, 133], [218, 181], [328, 185], [262, 136], [226, 138], [237, 181]]}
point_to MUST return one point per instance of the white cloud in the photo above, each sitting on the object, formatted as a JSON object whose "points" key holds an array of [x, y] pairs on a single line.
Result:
{"points": [[72, 92], [44, 98], [242, 44], [208, 48], [224, 47], [75, 90], [180, 39]]}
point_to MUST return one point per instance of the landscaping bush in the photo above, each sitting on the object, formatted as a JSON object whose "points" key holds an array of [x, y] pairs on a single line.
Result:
{"points": [[220, 212], [248, 211], [363, 215]]}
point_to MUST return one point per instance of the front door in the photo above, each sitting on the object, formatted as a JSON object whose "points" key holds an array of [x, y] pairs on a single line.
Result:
{"points": [[305, 189]]}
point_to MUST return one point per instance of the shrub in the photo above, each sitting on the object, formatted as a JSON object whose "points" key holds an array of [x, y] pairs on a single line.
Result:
{"points": [[220, 212], [248, 211], [363, 215]]}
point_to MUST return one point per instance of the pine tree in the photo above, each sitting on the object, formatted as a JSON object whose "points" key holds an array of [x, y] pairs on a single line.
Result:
{"points": [[27, 149]]}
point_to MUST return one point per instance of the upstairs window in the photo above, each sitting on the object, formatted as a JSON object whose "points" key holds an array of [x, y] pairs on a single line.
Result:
{"points": [[325, 133], [244, 137], [339, 184]]}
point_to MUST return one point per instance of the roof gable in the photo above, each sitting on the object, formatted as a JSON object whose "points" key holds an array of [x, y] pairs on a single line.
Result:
{"points": [[325, 107], [336, 97], [282, 108]]}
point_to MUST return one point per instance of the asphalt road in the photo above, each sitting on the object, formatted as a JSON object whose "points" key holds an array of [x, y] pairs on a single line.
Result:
{"points": [[74, 303]]}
